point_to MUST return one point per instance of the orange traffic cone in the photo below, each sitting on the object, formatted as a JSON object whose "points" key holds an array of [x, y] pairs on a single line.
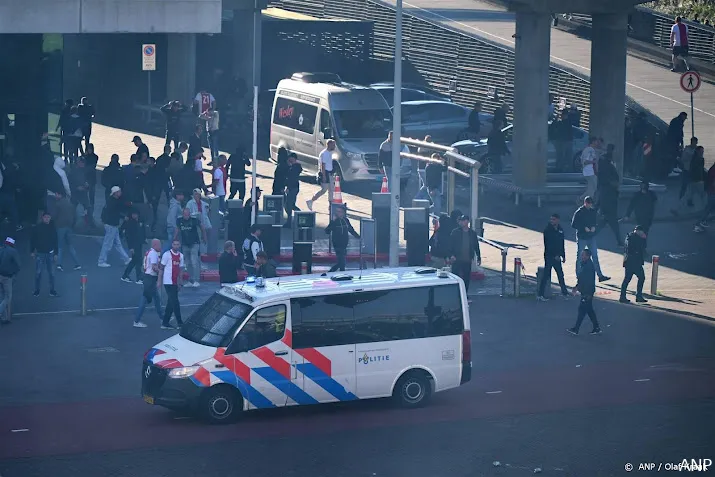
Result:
{"points": [[337, 193], [383, 189]]}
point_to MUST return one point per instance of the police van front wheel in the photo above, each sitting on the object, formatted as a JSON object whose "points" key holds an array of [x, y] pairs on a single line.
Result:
{"points": [[413, 389], [221, 405]]}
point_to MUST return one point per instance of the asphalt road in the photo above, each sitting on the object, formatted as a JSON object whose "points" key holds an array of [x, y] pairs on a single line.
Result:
{"points": [[572, 406]]}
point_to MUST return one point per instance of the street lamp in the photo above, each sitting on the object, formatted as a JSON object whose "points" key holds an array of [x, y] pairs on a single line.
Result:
{"points": [[394, 180]]}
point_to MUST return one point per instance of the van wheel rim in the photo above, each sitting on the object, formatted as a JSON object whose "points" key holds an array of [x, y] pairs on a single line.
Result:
{"points": [[220, 407], [413, 391]]}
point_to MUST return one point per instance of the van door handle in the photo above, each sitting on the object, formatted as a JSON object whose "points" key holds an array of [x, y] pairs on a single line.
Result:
{"points": [[351, 351], [281, 353]]}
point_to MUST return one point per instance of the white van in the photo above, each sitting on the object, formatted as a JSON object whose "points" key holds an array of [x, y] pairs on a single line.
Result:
{"points": [[310, 108], [401, 332]]}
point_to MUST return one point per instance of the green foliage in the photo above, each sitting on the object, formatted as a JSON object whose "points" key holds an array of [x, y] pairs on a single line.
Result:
{"points": [[703, 9]]}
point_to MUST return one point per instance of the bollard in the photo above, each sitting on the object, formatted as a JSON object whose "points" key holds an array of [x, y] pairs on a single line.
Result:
{"points": [[503, 272], [517, 277], [654, 276], [83, 294]]}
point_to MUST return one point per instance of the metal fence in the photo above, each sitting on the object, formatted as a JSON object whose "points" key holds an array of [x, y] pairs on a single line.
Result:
{"points": [[467, 68]]}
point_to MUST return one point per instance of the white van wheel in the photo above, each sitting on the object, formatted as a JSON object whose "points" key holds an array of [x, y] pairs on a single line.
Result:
{"points": [[221, 404], [413, 389]]}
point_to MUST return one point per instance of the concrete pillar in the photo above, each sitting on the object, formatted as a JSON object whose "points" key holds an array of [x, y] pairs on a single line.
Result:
{"points": [[244, 46], [181, 74], [531, 98], [608, 80]]}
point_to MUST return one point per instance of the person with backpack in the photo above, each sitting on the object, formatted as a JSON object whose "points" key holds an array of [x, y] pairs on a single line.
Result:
{"points": [[9, 267]]}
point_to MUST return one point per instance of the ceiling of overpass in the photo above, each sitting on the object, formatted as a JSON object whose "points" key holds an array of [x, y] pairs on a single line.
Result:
{"points": [[571, 6]]}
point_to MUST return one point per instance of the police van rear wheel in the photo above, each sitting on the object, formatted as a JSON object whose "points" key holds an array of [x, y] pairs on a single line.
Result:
{"points": [[221, 405], [413, 389]]}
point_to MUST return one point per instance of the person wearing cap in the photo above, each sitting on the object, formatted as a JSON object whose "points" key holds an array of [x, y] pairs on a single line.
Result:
{"points": [[340, 230], [633, 258], [585, 221], [172, 112], [43, 248], [9, 267], [251, 246], [112, 217], [464, 245], [142, 149]]}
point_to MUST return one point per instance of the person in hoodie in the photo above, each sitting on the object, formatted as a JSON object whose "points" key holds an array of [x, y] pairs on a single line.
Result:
{"points": [[440, 240], [176, 207], [633, 259], [340, 230], [236, 170], [112, 176], [9, 267], [134, 233], [554, 256], [43, 248], [112, 217], [586, 286], [173, 111], [64, 223], [585, 221]]}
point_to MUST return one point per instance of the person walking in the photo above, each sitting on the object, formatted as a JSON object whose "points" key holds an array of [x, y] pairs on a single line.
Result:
{"points": [[9, 267], [586, 286], [162, 164], [608, 185], [112, 217], [585, 221], [673, 145], [685, 159], [86, 112], [554, 256], [73, 134], [176, 208], [679, 44], [440, 246], [264, 267], [279, 174], [327, 180], [464, 245], [340, 230], [63, 126], [228, 264], [643, 204], [589, 157], [172, 266], [80, 186], [150, 265], [43, 248], [189, 232], [633, 259], [172, 112], [251, 246], [64, 223], [134, 233], [236, 170], [292, 183]]}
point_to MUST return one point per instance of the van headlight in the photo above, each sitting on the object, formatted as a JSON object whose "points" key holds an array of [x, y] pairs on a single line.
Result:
{"points": [[356, 160], [183, 372]]}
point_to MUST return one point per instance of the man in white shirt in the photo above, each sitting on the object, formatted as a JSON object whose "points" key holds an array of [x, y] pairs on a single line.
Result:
{"points": [[589, 157], [151, 283], [172, 266], [219, 181], [679, 42], [203, 102], [327, 179]]}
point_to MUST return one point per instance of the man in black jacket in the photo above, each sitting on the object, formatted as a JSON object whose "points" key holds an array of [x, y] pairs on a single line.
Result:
{"points": [[587, 287], [134, 233], [440, 246], [112, 176], [585, 221], [9, 267], [633, 258], [264, 267], [172, 111], [236, 170], [643, 204], [43, 249], [228, 264], [292, 182], [112, 216], [608, 183], [340, 230], [464, 245], [554, 256]]}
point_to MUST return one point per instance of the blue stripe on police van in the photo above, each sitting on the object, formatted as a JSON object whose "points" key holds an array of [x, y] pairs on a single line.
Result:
{"points": [[285, 385], [314, 373], [248, 392]]}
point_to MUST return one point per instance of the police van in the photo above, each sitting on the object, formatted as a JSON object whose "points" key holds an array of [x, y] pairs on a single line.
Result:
{"points": [[399, 332]]}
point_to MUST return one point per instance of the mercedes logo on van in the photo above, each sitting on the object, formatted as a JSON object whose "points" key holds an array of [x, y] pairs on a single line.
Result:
{"points": [[147, 372]]}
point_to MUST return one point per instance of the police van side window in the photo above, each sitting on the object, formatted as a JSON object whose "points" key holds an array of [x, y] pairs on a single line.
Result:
{"points": [[265, 326], [295, 115], [409, 313], [322, 321]]}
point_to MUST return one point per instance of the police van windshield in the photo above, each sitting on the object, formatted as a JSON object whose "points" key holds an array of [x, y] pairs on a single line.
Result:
{"points": [[216, 321], [362, 123]]}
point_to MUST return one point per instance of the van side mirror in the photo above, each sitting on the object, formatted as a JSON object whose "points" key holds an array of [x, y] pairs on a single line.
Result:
{"points": [[327, 133]]}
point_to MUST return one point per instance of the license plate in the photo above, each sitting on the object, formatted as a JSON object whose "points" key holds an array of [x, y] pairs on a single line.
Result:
{"points": [[149, 399]]}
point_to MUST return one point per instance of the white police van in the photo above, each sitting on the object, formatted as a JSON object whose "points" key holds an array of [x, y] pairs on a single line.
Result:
{"points": [[310, 339]]}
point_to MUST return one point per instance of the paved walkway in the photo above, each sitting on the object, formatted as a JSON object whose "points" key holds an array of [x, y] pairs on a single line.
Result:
{"points": [[654, 87]]}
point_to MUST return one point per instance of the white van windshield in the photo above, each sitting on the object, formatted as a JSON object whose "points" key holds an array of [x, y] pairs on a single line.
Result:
{"points": [[362, 123], [216, 321]]}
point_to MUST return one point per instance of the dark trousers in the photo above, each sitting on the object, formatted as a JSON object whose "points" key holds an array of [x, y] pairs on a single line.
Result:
{"points": [[155, 209], [136, 263], [554, 263], [239, 187], [639, 273], [172, 305], [172, 136], [340, 254], [291, 197], [684, 181], [72, 146], [585, 307], [463, 270], [86, 134], [46, 261]]}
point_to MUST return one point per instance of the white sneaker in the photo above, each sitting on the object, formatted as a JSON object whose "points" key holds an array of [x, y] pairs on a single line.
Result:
{"points": [[167, 327], [698, 229], [309, 203], [139, 282], [139, 324], [196, 285], [103, 265], [541, 298], [125, 280]]}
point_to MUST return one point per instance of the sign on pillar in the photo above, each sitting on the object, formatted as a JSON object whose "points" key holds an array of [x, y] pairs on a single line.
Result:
{"points": [[148, 65], [690, 82]]}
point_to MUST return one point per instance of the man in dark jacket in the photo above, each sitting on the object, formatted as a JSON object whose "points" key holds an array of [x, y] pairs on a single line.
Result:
{"points": [[563, 142], [633, 258], [236, 170], [195, 148], [79, 185], [43, 247], [673, 143], [440, 245], [228, 264], [608, 184], [86, 112], [172, 111], [135, 235], [643, 204], [9, 267], [586, 285], [112, 216], [162, 168], [585, 221], [340, 230], [112, 176], [142, 149], [292, 182], [464, 245], [496, 147], [554, 256]]}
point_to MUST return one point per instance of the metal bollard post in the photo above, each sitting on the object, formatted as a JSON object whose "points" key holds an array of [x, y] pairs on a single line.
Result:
{"points": [[503, 272], [517, 277], [654, 276], [83, 294]]}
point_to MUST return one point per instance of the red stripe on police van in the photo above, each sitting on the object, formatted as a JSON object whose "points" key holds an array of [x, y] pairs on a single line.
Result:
{"points": [[288, 339], [235, 365], [317, 358], [169, 364], [278, 364], [203, 376]]}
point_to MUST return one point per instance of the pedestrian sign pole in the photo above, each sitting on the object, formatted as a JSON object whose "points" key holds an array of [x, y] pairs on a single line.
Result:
{"points": [[148, 65], [690, 82]]}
